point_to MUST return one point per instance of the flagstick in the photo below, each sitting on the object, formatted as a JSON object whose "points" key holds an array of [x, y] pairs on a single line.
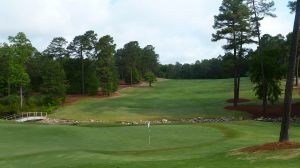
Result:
{"points": [[149, 136], [149, 131]]}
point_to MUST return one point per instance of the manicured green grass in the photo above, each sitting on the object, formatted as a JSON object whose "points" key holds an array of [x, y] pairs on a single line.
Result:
{"points": [[172, 146], [188, 146], [170, 99]]}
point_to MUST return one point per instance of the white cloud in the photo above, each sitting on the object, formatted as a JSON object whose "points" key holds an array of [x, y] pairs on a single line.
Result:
{"points": [[179, 29]]}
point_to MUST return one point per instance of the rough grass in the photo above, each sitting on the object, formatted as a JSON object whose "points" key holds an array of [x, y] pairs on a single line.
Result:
{"points": [[170, 99], [189, 146]]}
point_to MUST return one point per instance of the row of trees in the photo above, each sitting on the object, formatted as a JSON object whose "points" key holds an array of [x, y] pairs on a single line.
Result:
{"points": [[216, 68], [82, 66]]}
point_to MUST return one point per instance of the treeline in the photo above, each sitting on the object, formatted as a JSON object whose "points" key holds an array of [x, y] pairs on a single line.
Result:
{"points": [[39, 81], [275, 53], [216, 68]]}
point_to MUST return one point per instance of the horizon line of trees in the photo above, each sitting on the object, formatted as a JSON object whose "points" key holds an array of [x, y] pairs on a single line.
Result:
{"points": [[214, 68]]}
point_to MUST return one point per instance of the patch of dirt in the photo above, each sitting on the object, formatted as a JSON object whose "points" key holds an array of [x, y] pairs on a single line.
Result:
{"points": [[70, 99], [239, 101], [272, 111], [271, 147]]}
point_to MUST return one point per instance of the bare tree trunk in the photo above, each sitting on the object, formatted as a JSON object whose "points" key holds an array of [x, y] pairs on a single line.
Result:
{"points": [[21, 97], [131, 81], [239, 66], [264, 90], [284, 133], [297, 71], [82, 74], [238, 87], [8, 87], [235, 99]]}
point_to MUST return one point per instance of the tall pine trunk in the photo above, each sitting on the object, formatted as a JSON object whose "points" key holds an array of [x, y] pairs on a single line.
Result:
{"points": [[239, 66], [8, 87], [284, 133], [131, 81], [21, 97], [235, 99], [263, 79], [82, 73], [297, 71]]}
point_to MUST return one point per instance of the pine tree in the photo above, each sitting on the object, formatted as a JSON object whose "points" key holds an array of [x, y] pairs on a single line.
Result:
{"points": [[284, 133], [57, 48], [83, 46], [259, 9], [106, 65], [231, 23]]}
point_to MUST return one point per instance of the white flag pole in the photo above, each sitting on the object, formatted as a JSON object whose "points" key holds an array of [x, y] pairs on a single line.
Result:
{"points": [[149, 131]]}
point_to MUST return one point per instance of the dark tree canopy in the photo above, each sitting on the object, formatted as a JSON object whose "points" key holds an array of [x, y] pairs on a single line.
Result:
{"points": [[57, 48], [107, 70]]}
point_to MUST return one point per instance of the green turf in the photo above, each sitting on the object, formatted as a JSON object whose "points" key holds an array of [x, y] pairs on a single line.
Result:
{"points": [[189, 146], [172, 146], [170, 99]]}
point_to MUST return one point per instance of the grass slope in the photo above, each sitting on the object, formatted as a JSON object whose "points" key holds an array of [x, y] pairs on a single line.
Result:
{"points": [[189, 146], [170, 99]]}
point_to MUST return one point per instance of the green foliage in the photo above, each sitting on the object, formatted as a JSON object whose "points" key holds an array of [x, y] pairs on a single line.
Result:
{"points": [[149, 60], [261, 8], [232, 21], [292, 5], [5, 68], [150, 78], [92, 80], [47, 76], [132, 53], [18, 76], [53, 79], [274, 55], [73, 76], [215, 68], [107, 71], [133, 61], [10, 104], [83, 46], [57, 48], [132, 76], [21, 47]]}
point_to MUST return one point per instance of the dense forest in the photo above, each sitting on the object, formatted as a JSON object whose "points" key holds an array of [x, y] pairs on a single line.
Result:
{"points": [[39, 81]]}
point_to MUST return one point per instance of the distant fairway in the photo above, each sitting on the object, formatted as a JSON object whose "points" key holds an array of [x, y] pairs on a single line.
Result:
{"points": [[188, 146], [170, 99]]}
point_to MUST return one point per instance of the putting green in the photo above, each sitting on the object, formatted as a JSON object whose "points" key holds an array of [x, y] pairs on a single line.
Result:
{"points": [[200, 145]]}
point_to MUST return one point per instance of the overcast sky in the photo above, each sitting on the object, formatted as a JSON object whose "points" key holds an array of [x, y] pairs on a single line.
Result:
{"points": [[180, 30]]}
